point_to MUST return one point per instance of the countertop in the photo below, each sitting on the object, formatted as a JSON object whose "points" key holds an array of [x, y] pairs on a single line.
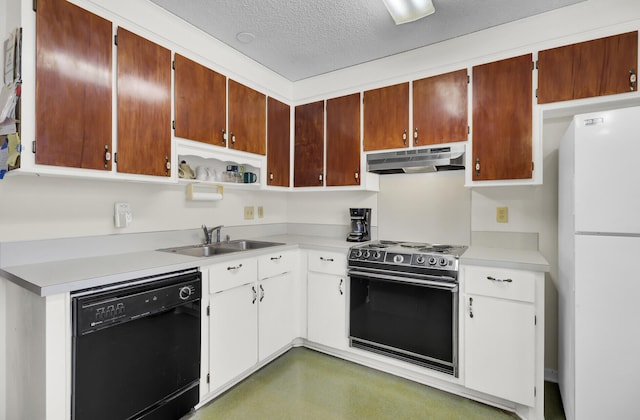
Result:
{"points": [[68, 275], [517, 259]]}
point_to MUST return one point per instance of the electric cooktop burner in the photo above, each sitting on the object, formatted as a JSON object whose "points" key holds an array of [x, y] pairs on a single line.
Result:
{"points": [[415, 257]]}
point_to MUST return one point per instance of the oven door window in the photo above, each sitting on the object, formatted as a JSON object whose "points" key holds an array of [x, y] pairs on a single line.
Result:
{"points": [[413, 322]]}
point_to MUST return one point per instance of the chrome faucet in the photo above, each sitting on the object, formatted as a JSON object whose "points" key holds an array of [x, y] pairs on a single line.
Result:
{"points": [[209, 232]]}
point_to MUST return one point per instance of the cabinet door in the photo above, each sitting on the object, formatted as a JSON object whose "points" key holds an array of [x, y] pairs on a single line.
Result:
{"points": [[200, 102], [309, 145], [247, 119], [326, 310], [275, 314], [233, 335], [594, 68], [500, 348], [386, 117], [440, 109], [144, 106], [502, 120], [73, 87], [343, 140], [278, 143]]}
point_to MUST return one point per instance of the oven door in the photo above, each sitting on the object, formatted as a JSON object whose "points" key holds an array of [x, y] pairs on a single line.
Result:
{"points": [[415, 320]]}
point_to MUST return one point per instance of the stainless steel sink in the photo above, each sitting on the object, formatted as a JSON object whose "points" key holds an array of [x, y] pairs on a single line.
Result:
{"points": [[200, 250], [245, 245], [220, 248]]}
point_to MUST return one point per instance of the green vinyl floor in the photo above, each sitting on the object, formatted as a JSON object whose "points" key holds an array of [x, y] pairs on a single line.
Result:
{"points": [[305, 384]]}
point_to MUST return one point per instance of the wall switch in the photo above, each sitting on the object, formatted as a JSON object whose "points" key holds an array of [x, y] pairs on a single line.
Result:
{"points": [[260, 212], [502, 214], [122, 215], [248, 212]]}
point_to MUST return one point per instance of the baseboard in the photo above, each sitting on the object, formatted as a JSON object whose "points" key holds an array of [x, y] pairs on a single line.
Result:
{"points": [[551, 375]]}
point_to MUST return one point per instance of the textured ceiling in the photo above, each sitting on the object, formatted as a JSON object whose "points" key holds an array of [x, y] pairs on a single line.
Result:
{"points": [[303, 38]]}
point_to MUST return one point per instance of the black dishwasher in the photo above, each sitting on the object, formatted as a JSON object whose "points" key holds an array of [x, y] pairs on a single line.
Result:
{"points": [[136, 348]]}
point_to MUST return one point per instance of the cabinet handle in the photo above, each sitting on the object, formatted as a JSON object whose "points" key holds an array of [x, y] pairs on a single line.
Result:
{"points": [[233, 138], [320, 177], [326, 259], [415, 136], [477, 166], [499, 280], [271, 176], [356, 174], [224, 136], [107, 156], [404, 137], [236, 267], [261, 293], [340, 287], [633, 79], [167, 165], [276, 258], [255, 294], [470, 307]]}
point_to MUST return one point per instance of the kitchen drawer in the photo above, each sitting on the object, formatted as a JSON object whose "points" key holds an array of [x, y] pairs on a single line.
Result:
{"points": [[276, 263], [515, 284], [230, 274], [328, 262]]}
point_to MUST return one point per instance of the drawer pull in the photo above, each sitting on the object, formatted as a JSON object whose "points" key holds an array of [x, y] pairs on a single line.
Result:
{"points": [[261, 293], [499, 280], [340, 287], [237, 267], [276, 258], [326, 259], [470, 307], [255, 294]]}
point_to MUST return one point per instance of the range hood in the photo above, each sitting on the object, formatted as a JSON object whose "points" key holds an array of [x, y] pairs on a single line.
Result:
{"points": [[414, 161]]}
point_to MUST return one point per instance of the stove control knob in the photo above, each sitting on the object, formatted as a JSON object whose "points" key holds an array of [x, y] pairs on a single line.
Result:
{"points": [[432, 261], [376, 255], [398, 259], [420, 259], [367, 254], [186, 292], [443, 261], [358, 253]]}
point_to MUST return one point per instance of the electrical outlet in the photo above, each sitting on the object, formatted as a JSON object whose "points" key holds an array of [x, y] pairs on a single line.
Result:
{"points": [[502, 214], [122, 215], [248, 212], [260, 212]]}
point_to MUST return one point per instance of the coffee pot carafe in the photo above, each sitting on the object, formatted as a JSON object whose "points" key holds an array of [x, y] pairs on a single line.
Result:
{"points": [[360, 225]]}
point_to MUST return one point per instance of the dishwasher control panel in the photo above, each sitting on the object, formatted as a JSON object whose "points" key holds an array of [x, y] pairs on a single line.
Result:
{"points": [[133, 300]]}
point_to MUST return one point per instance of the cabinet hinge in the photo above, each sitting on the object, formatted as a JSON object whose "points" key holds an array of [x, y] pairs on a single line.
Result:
{"points": [[536, 92], [173, 65], [115, 157], [535, 320], [534, 390], [173, 124], [34, 5], [534, 65], [33, 147], [208, 378], [468, 79], [115, 39], [533, 166], [468, 130], [208, 310]]}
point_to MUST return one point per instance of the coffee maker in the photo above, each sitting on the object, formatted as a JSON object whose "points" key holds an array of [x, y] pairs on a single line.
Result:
{"points": [[360, 225]]}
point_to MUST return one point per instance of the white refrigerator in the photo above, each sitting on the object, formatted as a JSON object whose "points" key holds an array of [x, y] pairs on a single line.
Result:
{"points": [[599, 266]]}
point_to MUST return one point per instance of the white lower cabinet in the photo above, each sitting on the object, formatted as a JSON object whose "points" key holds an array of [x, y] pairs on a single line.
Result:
{"points": [[501, 333], [250, 318], [326, 299], [276, 319]]}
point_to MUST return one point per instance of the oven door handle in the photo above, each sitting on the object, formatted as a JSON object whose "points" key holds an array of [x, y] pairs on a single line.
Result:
{"points": [[436, 283]]}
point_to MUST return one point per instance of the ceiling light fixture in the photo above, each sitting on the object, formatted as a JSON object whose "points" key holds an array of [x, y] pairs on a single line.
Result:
{"points": [[405, 11]]}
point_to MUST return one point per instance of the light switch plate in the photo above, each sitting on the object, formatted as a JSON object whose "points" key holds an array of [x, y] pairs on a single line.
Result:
{"points": [[122, 215], [248, 212]]}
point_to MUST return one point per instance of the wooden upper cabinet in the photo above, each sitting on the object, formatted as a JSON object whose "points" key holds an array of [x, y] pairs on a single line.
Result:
{"points": [[278, 143], [386, 117], [440, 109], [73, 87], [247, 119], [502, 120], [144, 106], [200, 102], [309, 145], [599, 67], [343, 140]]}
